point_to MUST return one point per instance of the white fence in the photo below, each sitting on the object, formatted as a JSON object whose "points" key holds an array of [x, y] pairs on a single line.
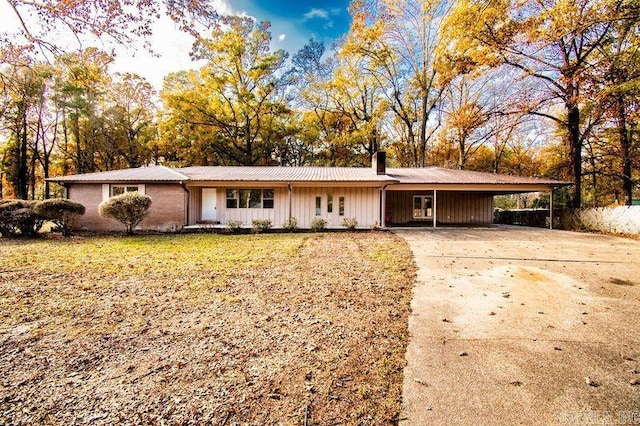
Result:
{"points": [[618, 220]]}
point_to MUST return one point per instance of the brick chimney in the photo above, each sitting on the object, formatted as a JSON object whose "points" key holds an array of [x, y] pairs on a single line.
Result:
{"points": [[379, 162]]}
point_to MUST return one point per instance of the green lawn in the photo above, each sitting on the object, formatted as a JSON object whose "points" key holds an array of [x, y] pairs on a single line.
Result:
{"points": [[259, 329]]}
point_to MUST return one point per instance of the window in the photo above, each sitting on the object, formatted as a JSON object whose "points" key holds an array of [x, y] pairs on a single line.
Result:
{"points": [[318, 206], [329, 203], [123, 189], [232, 198], [267, 198], [422, 207], [254, 197], [341, 206], [250, 198]]}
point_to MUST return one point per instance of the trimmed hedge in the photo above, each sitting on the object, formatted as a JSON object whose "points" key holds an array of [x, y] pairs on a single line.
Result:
{"points": [[129, 209], [17, 217], [62, 212]]}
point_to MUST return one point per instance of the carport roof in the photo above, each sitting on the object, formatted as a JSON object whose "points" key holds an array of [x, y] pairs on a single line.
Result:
{"points": [[439, 175]]}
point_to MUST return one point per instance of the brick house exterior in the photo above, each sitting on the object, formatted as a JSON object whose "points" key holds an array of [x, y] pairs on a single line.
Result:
{"points": [[376, 196]]}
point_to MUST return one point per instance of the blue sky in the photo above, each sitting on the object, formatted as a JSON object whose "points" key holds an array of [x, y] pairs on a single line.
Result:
{"points": [[300, 20]]}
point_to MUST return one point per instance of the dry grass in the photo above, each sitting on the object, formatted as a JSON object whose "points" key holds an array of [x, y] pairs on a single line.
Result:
{"points": [[191, 329]]}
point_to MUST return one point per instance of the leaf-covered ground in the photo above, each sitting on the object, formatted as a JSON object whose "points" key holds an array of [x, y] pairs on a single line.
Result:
{"points": [[192, 329]]}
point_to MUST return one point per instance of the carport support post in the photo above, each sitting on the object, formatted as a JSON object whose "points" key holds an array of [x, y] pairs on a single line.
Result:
{"points": [[435, 204], [383, 207], [289, 198], [551, 209]]}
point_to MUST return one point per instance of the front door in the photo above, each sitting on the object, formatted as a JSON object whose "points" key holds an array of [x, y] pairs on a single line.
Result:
{"points": [[422, 207], [209, 204]]}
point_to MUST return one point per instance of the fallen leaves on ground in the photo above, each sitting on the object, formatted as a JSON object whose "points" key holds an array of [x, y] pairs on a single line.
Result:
{"points": [[202, 328]]}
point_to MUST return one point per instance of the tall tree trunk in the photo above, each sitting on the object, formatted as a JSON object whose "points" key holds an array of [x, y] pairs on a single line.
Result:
{"points": [[75, 123], [23, 169], [423, 130], [32, 175], [575, 151], [625, 147], [45, 169]]}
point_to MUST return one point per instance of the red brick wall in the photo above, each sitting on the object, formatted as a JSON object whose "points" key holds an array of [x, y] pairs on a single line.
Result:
{"points": [[89, 195], [168, 205]]}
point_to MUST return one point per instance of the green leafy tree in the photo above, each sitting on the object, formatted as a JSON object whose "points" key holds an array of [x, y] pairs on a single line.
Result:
{"points": [[128, 122], [80, 93]]}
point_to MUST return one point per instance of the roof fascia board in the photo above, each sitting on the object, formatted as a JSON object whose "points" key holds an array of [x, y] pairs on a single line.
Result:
{"points": [[498, 187], [294, 184], [112, 182]]}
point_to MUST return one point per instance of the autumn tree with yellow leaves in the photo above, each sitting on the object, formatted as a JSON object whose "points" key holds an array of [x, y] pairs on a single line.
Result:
{"points": [[553, 42]]}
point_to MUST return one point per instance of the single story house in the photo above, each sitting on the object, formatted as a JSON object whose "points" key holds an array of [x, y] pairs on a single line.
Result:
{"points": [[376, 196]]}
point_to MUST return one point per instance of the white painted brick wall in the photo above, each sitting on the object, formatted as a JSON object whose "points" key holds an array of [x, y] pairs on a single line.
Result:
{"points": [[619, 220]]}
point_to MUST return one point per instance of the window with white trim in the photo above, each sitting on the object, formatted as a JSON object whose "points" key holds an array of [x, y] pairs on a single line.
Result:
{"points": [[123, 189], [318, 206], [250, 198], [341, 206], [329, 203]]}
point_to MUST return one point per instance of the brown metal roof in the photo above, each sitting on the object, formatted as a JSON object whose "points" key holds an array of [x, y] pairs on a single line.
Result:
{"points": [[428, 175], [439, 175], [140, 174], [284, 174]]}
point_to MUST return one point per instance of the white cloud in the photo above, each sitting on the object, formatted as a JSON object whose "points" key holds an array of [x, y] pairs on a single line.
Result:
{"points": [[316, 13], [223, 7], [281, 37]]}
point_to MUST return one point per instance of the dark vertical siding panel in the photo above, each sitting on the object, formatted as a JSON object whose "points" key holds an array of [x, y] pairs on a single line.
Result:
{"points": [[194, 205]]}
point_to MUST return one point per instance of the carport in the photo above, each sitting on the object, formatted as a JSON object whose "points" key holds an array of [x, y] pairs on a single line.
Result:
{"points": [[434, 196]]}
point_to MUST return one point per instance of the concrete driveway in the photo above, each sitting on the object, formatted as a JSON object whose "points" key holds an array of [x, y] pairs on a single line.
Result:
{"points": [[523, 326]]}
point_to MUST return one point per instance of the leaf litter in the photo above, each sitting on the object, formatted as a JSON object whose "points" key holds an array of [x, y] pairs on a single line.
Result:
{"points": [[201, 328]]}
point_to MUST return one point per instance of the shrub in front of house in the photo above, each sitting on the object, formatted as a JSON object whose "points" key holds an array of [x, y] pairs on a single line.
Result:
{"points": [[318, 224], [19, 217], [7, 224], [234, 226], [290, 225], [349, 223], [261, 225], [62, 212], [129, 209]]}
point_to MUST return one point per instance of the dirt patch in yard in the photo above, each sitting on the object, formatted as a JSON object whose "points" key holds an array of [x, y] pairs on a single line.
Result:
{"points": [[190, 329]]}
